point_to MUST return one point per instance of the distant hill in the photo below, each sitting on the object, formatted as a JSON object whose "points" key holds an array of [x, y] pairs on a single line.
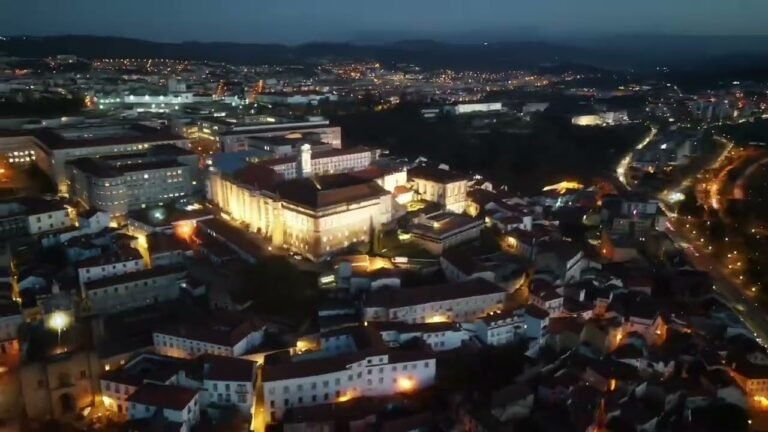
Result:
{"points": [[426, 53], [712, 56]]}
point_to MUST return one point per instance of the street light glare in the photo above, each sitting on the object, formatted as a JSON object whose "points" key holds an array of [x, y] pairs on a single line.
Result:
{"points": [[58, 321]]}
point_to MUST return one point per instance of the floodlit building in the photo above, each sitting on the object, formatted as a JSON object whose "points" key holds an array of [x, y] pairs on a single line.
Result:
{"points": [[441, 186], [306, 213]]}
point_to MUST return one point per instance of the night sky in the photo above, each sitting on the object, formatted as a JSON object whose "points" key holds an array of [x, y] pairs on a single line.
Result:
{"points": [[295, 21]]}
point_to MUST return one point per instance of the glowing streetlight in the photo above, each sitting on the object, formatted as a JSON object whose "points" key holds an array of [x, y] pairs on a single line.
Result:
{"points": [[58, 321], [406, 384]]}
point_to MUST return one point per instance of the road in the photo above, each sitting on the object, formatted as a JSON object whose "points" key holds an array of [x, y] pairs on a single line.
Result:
{"points": [[738, 188], [729, 289], [621, 169]]}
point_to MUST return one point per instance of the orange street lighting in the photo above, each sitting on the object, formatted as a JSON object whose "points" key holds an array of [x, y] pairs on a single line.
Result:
{"points": [[406, 384]]}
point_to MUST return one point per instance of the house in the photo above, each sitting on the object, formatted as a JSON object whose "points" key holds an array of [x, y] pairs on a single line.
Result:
{"points": [[439, 231], [222, 382], [501, 328], [565, 258], [564, 333], [441, 186], [174, 403], [440, 336], [10, 320], [135, 289], [117, 262], [316, 381], [545, 296], [458, 301], [507, 271], [221, 332], [640, 313], [119, 382]]}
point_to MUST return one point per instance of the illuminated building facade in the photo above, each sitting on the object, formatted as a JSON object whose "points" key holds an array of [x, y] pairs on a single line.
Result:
{"points": [[224, 334], [441, 186], [309, 215]]}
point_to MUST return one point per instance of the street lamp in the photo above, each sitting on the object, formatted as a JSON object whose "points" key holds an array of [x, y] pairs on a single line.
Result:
{"points": [[58, 321]]}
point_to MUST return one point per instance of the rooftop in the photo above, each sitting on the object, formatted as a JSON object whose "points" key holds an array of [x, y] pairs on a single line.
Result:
{"points": [[321, 366], [122, 255], [135, 276], [101, 136], [435, 174], [145, 368], [219, 328], [163, 396], [444, 224], [395, 298], [220, 368], [327, 191]]}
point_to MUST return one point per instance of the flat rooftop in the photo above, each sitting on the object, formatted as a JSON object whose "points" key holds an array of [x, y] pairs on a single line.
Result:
{"points": [[104, 135], [258, 122], [147, 367], [444, 224]]}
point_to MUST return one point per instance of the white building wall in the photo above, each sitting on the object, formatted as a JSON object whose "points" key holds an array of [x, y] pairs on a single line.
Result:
{"points": [[88, 274], [50, 221], [374, 376], [459, 310]]}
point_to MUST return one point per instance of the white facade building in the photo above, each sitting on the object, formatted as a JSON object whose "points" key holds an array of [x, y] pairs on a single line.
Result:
{"points": [[457, 302], [134, 289], [223, 334], [441, 186], [327, 380], [116, 263], [176, 404]]}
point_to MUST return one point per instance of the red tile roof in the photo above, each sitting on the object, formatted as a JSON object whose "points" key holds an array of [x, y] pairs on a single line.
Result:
{"points": [[163, 396], [406, 297]]}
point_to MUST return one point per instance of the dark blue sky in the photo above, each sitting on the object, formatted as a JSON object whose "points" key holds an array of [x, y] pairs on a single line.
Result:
{"points": [[294, 21]]}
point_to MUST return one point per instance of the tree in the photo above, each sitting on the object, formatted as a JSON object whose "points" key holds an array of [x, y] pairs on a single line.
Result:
{"points": [[276, 286]]}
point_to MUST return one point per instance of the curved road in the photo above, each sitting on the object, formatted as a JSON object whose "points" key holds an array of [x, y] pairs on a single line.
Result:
{"points": [[731, 290]]}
